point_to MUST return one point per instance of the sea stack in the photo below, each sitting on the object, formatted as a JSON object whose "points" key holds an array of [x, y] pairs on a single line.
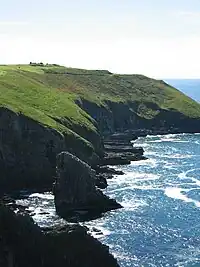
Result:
{"points": [[76, 196]]}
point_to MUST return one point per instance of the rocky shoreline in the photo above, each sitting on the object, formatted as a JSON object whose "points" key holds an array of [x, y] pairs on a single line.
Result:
{"points": [[77, 198], [30, 148], [77, 190], [23, 244], [60, 132]]}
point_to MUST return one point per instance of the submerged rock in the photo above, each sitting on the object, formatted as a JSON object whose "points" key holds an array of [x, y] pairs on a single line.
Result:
{"points": [[76, 196], [23, 244]]}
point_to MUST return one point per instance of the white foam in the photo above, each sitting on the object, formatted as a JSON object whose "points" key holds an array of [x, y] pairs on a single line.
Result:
{"points": [[176, 156], [150, 162], [97, 228], [101, 231], [43, 196], [176, 193], [170, 166], [184, 175], [132, 204], [156, 141], [120, 256], [170, 135], [168, 139], [144, 145], [132, 177]]}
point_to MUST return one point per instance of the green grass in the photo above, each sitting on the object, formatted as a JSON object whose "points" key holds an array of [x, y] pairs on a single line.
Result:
{"points": [[25, 89], [47, 94]]}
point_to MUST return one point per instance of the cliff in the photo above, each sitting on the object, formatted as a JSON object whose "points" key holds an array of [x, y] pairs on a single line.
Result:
{"points": [[45, 110], [28, 151]]}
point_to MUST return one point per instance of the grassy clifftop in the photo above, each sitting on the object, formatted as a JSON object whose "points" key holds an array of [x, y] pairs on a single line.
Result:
{"points": [[48, 93]]}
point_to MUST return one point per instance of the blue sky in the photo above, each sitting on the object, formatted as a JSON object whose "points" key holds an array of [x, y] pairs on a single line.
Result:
{"points": [[159, 39]]}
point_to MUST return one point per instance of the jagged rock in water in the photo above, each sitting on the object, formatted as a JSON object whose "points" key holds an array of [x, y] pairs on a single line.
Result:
{"points": [[76, 196], [23, 244]]}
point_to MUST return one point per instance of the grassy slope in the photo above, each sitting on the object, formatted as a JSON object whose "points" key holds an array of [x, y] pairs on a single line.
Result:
{"points": [[25, 89], [45, 93], [98, 86]]}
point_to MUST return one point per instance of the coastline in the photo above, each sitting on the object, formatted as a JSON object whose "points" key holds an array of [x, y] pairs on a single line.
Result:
{"points": [[87, 131]]}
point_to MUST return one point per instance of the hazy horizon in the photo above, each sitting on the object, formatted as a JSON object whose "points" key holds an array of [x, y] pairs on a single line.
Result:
{"points": [[159, 40]]}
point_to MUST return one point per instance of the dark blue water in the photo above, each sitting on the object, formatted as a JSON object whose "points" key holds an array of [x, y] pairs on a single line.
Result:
{"points": [[190, 87], [160, 222]]}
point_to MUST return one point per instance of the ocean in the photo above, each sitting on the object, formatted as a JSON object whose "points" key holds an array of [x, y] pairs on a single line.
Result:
{"points": [[160, 223], [190, 87]]}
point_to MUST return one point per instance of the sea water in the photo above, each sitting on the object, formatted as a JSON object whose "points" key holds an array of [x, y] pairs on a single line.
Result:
{"points": [[160, 222]]}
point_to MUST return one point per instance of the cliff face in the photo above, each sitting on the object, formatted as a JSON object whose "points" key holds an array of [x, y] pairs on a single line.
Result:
{"points": [[121, 116], [28, 151]]}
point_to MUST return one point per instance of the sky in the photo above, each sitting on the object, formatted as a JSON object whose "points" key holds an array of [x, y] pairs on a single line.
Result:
{"points": [[157, 38]]}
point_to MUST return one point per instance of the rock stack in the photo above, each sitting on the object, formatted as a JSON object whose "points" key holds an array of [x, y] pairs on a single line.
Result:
{"points": [[76, 195]]}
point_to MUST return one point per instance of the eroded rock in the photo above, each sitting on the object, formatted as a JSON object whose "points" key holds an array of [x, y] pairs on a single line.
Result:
{"points": [[76, 196]]}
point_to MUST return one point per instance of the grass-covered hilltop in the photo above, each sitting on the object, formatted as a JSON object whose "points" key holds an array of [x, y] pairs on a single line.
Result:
{"points": [[46, 109], [50, 93]]}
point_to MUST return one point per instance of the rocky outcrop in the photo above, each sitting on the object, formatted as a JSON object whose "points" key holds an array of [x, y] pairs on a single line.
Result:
{"points": [[28, 151], [120, 151], [23, 244], [121, 138], [76, 197], [124, 158]]}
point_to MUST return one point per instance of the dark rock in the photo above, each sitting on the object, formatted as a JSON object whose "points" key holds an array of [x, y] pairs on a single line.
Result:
{"points": [[76, 197], [119, 151], [23, 244], [120, 117], [121, 158], [115, 160], [108, 170], [100, 181], [121, 148], [121, 137], [116, 142], [95, 230], [28, 151]]}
